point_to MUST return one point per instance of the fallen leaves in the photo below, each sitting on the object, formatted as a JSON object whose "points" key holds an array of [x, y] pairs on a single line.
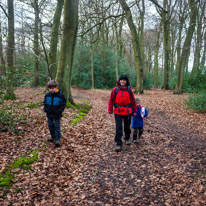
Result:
{"points": [[166, 167]]}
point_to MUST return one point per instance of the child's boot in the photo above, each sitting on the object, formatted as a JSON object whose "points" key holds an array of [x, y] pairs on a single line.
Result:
{"points": [[135, 139], [57, 143]]}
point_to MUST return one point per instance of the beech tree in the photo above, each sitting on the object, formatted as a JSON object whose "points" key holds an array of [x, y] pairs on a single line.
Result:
{"points": [[54, 39], [199, 38], [68, 42], [186, 47], [10, 51], [2, 66], [136, 47]]}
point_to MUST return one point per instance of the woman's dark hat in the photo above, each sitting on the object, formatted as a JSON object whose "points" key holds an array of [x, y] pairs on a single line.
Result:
{"points": [[123, 76]]}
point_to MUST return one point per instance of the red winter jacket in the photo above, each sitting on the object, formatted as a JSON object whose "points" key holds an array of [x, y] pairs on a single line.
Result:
{"points": [[120, 102]]}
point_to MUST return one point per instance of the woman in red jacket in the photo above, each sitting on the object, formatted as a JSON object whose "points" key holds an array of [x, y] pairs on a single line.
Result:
{"points": [[123, 100]]}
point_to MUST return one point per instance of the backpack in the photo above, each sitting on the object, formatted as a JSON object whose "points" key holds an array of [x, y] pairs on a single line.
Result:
{"points": [[128, 89], [120, 107]]}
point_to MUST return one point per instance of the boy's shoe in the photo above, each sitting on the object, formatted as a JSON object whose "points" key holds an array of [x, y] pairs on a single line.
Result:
{"points": [[118, 148], [127, 142], [57, 143], [50, 139], [134, 141]]}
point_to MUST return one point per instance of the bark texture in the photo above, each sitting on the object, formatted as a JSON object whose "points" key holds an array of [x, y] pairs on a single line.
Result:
{"points": [[136, 47], [186, 48], [10, 51], [68, 42], [54, 39]]}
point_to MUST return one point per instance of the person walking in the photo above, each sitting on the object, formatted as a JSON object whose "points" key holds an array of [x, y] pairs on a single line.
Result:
{"points": [[54, 105], [123, 101]]}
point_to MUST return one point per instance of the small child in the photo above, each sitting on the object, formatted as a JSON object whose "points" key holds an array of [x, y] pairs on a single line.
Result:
{"points": [[54, 104], [138, 120]]}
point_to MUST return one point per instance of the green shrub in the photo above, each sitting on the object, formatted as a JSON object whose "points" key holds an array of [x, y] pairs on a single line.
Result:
{"points": [[148, 81], [197, 102], [24, 75], [84, 109], [104, 67], [7, 120], [34, 105]]}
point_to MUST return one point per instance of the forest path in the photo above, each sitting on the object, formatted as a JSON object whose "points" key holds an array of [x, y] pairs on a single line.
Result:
{"points": [[167, 167]]}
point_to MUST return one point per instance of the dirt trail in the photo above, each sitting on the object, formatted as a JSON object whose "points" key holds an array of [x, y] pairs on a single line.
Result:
{"points": [[167, 167], [163, 169]]}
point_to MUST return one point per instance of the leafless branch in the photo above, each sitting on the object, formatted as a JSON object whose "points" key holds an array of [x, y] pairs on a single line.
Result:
{"points": [[100, 23], [4, 11], [155, 2]]}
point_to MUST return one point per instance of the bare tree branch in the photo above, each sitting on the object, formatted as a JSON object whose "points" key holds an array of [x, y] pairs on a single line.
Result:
{"points": [[4, 11], [100, 23], [155, 2]]}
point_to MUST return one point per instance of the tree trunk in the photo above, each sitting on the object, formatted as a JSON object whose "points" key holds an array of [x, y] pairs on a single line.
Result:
{"points": [[120, 37], [186, 47], [2, 65], [136, 46], [196, 63], [179, 43], [68, 42], [36, 43], [91, 54], [92, 64], [182, 15], [202, 64], [54, 39], [116, 51], [142, 14], [157, 46], [10, 51], [166, 44], [173, 51]]}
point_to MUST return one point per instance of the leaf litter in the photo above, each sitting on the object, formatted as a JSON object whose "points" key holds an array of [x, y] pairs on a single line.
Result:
{"points": [[166, 167]]}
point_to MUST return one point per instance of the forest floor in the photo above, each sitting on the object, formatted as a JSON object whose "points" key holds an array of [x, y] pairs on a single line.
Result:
{"points": [[166, 167]]}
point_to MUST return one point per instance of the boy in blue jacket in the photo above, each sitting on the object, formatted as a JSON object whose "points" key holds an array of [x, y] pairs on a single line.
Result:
{"points": [[54, 105], [138, 120]]}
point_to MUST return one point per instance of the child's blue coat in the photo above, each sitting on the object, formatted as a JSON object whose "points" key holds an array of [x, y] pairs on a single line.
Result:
{"points": [[137, 120]]}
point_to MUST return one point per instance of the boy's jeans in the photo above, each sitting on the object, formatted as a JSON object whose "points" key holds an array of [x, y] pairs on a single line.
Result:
{"points": [[136, 130], [119, 130], [54, 128]]}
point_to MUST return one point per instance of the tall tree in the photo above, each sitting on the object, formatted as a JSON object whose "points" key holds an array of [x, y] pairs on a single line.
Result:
{"points": [[68, 42], [156, 55], [10, 51], [54, 38], [166, 14], [36, 42], [202, 64], [186, 47], [136, 47], [199, 38], [2, 61], [166, 43], [141, 29], [182, 15]]}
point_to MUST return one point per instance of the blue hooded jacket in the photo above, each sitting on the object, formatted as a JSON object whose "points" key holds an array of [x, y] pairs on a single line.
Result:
{"points": [[54, 104], [137, 121]]}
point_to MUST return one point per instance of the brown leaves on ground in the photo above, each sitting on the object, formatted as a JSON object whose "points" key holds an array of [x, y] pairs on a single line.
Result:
{"points": [[167, 167]]}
